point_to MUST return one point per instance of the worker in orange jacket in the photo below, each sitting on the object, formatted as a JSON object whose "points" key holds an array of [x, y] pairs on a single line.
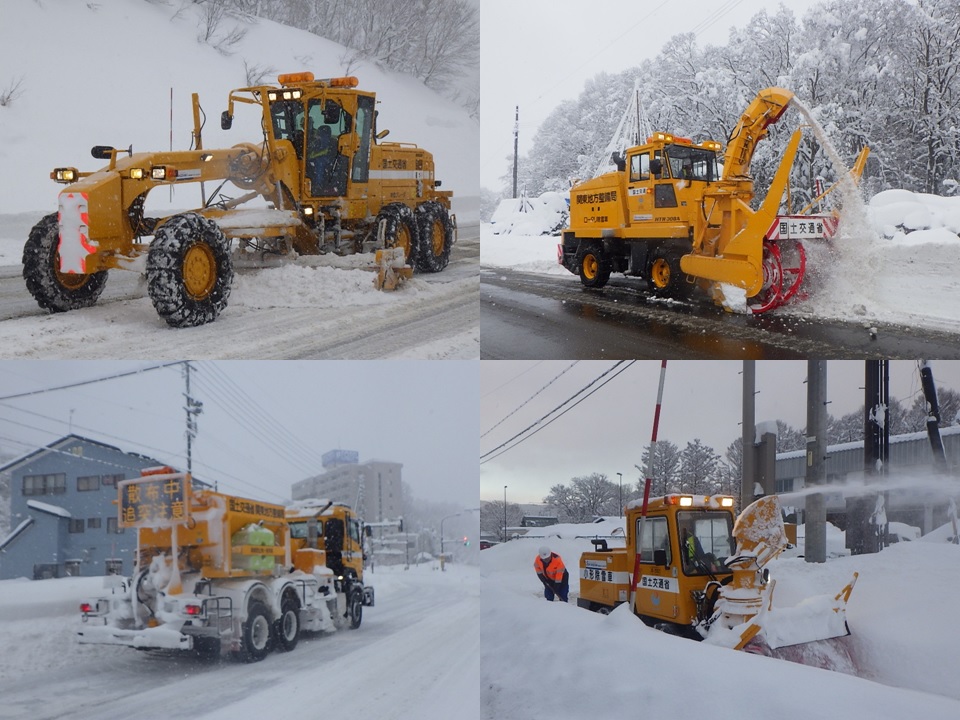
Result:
{"points": [[553, 574]]}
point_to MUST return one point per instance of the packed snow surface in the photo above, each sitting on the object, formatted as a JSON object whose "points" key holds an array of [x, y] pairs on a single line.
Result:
{"points": [[899, 270], [560, 662], [414, 657]]}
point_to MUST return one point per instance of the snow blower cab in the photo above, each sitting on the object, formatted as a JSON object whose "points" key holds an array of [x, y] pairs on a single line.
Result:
{"points": [[323, 180], [690, 570]]}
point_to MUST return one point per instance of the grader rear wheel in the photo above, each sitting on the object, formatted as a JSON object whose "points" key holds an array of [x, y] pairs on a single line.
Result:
{"points": [[665, 276], [400, 230], [436, 231]]}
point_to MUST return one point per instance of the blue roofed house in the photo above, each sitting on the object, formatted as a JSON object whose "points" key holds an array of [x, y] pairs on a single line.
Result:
{"points": [[63, 513]]}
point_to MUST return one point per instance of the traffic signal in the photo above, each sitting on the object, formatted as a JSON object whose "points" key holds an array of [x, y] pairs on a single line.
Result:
{"points": [[466, 541]]}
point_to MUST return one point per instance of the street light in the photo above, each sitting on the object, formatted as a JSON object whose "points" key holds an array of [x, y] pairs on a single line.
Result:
{"points": [[442, 568], [504, 513], [621, 493]]}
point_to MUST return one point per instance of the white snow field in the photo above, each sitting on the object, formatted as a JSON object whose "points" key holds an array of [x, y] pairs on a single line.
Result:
{"points": [[556, 661], [101, 73], [899, 269], [414, 657]]}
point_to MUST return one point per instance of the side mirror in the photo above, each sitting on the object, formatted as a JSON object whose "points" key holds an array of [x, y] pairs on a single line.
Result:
{"points": [[102, 152], [660, 557], [619, 161], [382, 134], [368, 531], [656, 167], [226, 120], [599, 544]]}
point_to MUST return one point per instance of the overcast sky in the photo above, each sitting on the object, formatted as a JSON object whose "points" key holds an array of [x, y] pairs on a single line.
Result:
{"points": [[264, 424], [606, 433], [538, 53]]}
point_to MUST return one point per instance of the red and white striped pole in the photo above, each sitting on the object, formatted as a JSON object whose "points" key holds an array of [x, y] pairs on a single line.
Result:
{"points": [[646, 491]]}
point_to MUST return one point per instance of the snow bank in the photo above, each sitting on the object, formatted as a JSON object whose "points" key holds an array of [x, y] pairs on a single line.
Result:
{"points": [[544, 215], [898, 614]]}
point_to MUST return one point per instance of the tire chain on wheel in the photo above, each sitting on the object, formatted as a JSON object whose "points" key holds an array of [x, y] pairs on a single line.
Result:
{"points": [[396, 214], [40, 276], [165, 280], [427, 214]]}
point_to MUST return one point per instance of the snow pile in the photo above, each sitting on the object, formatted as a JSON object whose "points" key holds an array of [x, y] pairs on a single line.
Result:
{"points": [[544, 215], [897, 615]]}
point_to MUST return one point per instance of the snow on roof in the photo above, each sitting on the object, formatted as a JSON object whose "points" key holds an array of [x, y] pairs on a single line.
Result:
{"points": [[16, 531], [855, 444], [47, 508]]}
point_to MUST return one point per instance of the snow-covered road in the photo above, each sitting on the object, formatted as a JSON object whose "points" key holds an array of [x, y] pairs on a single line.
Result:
{"points": [[315, 308], [416, 655]]}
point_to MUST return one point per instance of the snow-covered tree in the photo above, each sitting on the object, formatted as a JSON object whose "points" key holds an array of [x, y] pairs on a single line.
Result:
{"points": [[666, 469], [491, 517], [699, 465]]}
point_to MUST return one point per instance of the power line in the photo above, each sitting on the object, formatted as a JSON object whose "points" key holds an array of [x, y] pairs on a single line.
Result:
{"points": [[570, 366], [542, 419], [90, 382]]}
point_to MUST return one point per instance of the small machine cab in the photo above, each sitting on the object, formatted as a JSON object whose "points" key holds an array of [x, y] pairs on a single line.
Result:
{"points": [[329, 527]]}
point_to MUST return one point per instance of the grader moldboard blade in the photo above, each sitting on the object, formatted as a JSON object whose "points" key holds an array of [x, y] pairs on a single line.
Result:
{"points": [[811, 633]]}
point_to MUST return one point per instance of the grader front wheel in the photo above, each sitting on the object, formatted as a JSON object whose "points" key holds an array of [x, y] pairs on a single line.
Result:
{"points": [[189, 270], [54, 290]]}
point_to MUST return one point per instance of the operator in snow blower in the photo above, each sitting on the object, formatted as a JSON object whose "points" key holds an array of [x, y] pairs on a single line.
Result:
{"points": [[553, 574]]}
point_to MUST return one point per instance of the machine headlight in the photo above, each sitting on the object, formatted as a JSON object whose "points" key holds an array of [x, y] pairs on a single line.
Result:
{"points": [[64, 175], [686, 501], [272, 96], [136, 173]]}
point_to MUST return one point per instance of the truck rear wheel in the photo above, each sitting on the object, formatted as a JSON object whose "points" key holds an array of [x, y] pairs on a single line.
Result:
{"points": [[436, 233], [400, 230], [665, 276], [189, 270], [257, 634], [592, 266], [53, 290]]}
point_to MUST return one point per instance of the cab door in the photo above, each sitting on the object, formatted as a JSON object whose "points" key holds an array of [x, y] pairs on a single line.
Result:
{"points": [[639, 188]]}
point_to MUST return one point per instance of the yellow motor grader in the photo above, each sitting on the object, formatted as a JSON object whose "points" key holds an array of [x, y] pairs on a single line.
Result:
{"points": [[690, 568], [329, 184], [671, 215]]}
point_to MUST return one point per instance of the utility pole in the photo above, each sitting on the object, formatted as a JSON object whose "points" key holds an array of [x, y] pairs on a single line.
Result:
{"points": [[747, 475], [516, 134], [192, 408], [620, 475], [815, 513]]}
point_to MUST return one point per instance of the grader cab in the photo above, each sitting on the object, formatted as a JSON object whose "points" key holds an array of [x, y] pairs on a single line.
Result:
{"points": [[325, 182]]}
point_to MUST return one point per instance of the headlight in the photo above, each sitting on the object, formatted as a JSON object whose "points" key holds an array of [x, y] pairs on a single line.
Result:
{"points": [[686, 501], [272, 96], [64, 175], [136, 173]]}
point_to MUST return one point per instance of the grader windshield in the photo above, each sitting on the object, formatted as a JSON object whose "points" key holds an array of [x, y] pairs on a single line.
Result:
{"points": [[690, 163]]}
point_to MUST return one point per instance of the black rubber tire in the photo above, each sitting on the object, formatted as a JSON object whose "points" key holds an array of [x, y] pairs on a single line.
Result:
{"points": [[189, 250], [355, 607], [401, 229], [592, 267], [287, 627], [436, 233], [53, 290], [257, 634], [666, 278]]}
